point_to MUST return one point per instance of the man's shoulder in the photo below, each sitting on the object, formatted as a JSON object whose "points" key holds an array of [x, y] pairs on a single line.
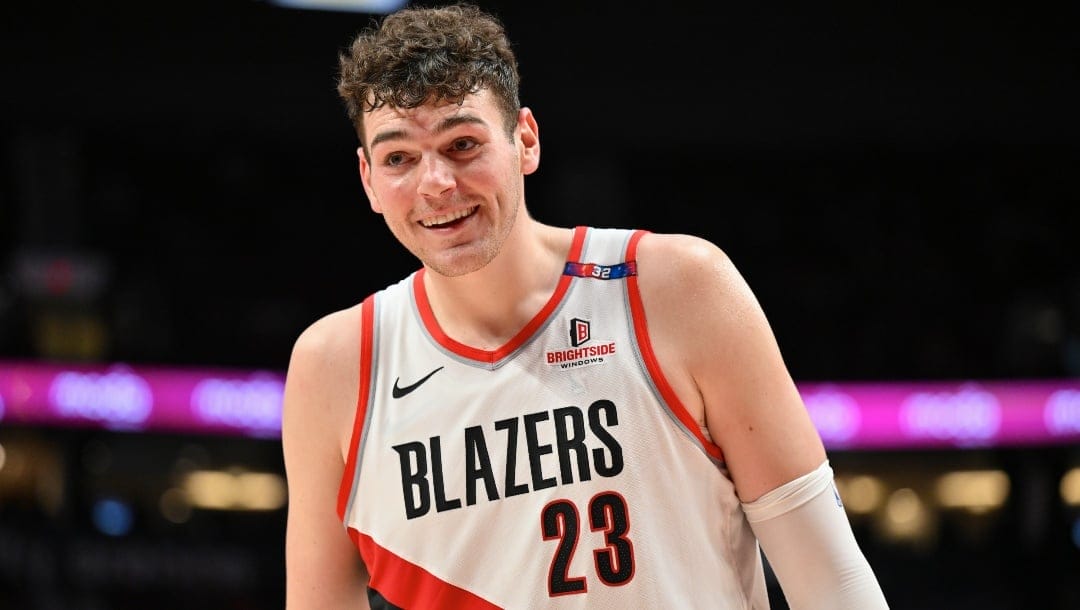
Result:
{"points": [[681, 254], [324, 362], [680, 248], [340, 329], [330, 336], [690, 278]]}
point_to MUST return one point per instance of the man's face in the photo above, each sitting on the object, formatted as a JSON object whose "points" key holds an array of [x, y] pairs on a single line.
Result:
{"points": [[448, 179]]}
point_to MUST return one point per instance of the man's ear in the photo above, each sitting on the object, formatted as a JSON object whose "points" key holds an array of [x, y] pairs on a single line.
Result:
{"points": [[529, 139], [365, 179]]}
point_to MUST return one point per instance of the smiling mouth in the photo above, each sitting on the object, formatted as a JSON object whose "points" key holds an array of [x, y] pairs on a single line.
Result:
{"points": [[447, 220]]}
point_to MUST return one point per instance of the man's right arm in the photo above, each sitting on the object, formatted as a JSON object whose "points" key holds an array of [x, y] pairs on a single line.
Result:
{"points": [[323, 568]]}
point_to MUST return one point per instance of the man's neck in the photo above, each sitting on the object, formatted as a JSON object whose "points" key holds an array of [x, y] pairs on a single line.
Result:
{"points": [[488, 307]]}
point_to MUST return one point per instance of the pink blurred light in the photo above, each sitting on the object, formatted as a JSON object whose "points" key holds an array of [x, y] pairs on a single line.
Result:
{"points": [[886, 415]]}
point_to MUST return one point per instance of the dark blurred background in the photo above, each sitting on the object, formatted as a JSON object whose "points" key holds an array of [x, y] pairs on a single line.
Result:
{"points": [[178, 187]]}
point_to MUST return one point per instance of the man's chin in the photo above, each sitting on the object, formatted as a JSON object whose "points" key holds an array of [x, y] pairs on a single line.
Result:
{"points": [[458, 265]]}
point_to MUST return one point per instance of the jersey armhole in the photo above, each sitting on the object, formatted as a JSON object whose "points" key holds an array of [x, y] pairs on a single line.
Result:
{"points": [[350, 476], [641, 335]]}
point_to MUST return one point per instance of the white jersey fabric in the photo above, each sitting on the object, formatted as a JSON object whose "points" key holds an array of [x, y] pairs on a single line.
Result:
{"points": [[558, 471]]}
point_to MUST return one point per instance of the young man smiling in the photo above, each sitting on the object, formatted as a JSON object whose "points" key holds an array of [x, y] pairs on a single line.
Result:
{"points": [[539, 416]]}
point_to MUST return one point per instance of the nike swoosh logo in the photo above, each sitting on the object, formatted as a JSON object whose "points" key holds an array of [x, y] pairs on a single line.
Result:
{"points": [[399, 392]]}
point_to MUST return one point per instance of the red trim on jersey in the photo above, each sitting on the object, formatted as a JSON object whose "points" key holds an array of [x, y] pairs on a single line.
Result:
{"points": [[641, 331], [407, 585], [367, 340], [492, 356]]}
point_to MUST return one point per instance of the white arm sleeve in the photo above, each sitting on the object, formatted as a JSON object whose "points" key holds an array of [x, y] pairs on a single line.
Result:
{"points": [[807, 540]]}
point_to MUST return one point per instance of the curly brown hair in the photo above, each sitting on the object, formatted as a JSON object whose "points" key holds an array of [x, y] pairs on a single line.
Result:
{"points": [[422, 54]]}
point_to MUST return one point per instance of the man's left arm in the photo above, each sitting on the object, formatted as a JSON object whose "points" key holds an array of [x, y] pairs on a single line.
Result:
{"points": [[755, 414]]}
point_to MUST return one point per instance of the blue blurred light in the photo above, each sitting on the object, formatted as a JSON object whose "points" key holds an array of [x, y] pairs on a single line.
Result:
{"points": [[1076, 532], [113, 517]]}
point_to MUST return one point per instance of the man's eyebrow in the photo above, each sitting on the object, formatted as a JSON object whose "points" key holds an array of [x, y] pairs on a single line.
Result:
{"points": [[458, 119], [386, 136], [445, 125]]}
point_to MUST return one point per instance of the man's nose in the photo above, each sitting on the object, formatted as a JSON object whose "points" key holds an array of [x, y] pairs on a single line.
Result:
{"points": [[436, 177]]}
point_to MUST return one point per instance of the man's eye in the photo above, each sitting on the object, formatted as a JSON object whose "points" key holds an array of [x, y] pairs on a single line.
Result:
{"points": [[395, 158], [463, 144]]}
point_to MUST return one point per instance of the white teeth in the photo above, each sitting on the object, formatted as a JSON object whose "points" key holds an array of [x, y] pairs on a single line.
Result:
{"points": [[445, 218]]}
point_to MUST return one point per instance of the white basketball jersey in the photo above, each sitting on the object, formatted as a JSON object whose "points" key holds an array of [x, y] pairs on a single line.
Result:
{"points": [[557, 471]]}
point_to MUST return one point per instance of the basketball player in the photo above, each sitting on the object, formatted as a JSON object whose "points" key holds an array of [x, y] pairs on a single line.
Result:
{"points": [[539, 417]]}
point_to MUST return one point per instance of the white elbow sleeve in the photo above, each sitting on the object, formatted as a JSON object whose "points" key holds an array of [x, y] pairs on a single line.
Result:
{"points": [[808, 542]]}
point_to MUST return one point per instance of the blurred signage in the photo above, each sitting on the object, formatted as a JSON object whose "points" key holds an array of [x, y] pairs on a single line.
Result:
{"points": [[65, 291], [73, 276], [962, 414], [959, 414], [121, 397]]}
